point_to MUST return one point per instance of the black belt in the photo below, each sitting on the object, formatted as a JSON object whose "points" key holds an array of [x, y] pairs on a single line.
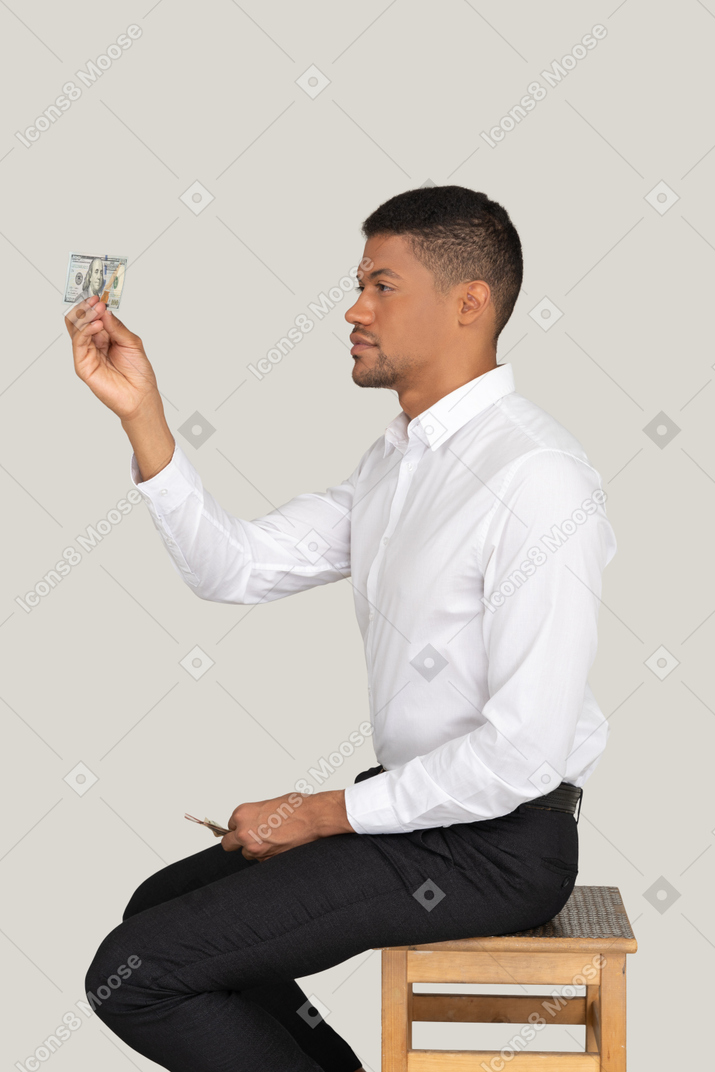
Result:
{"points": [[565, 797]]}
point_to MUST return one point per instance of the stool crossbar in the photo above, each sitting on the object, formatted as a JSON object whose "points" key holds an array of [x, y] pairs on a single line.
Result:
{"points": [[586, 944]]}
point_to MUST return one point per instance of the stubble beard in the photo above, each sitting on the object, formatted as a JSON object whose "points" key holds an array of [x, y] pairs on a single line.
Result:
{"points": [[382, 373]]}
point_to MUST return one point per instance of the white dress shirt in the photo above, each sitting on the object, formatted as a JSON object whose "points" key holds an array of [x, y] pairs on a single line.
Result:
{"points": [[475, 535]]}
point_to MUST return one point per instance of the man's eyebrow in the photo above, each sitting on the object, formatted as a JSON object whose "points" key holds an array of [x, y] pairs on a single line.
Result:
{"points": [[384, 271]]}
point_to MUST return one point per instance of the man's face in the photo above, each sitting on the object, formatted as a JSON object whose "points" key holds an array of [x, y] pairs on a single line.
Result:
{"points": [[400, 315], [96, 277]]}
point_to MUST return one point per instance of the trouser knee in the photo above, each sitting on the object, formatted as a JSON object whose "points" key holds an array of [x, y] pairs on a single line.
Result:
{"points": [[144, 896], [113, 977]]}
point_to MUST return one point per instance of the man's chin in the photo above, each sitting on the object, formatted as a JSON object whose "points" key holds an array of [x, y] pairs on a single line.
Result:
{"points": [[368, 378], [358, 377]]}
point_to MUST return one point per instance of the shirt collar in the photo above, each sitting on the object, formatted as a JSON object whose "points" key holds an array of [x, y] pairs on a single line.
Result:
{"points": [[451, 412]]}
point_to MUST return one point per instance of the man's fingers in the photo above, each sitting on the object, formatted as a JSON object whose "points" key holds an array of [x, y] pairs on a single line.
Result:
{"points": [[85, 334], [82, 314], [119, 332], [230, 842], [90, 311], [252, 855]]}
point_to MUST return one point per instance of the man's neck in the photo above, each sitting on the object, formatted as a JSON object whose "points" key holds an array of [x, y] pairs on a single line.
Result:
{"points": [[415, 398]]}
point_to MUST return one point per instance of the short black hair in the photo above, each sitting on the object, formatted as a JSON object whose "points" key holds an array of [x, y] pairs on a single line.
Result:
{"points": [[459, 235]]}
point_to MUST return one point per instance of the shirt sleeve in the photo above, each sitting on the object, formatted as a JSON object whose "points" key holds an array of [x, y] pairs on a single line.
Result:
{"points": [[542, 551], [225, 559]]}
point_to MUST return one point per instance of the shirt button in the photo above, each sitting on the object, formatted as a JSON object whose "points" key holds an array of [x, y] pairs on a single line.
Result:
{"points": [[163, 491], [385, 539], [371, 615], [410, 465]]}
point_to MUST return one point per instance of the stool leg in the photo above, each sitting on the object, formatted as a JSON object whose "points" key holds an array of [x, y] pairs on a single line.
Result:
{"points": [[396, 1011], [613, 1013], [593, 1019]]}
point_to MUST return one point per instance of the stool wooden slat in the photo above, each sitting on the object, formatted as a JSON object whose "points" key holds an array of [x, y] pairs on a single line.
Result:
{"points": [[475, 1060], [588, 940]]}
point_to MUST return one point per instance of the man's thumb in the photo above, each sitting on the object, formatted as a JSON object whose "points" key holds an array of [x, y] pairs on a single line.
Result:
{"points": [[117, 331]]}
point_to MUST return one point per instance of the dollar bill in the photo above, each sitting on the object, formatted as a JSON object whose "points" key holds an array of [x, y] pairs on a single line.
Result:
{"points": [[88, 275], [218, 831]]}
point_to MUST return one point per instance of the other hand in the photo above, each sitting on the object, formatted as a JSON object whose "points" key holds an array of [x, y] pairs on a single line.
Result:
{"points": [[264, 828]]}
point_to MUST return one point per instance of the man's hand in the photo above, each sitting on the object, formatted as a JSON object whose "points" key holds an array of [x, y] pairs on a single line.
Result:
{"points": [[111, 359], [113, 363], [267, 827]]}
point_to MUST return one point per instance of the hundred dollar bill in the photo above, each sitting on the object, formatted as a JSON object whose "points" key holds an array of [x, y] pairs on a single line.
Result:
{"points": [[88, 275]]}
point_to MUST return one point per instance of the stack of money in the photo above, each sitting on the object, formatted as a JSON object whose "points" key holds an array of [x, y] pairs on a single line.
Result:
{"points": [[218, 831]]}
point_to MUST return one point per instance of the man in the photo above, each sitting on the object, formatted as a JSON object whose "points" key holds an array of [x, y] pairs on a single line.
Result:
{"points": [[475, 535]]}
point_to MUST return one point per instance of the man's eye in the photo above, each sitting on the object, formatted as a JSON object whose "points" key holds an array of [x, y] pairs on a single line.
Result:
{"points": [[358, 286]]}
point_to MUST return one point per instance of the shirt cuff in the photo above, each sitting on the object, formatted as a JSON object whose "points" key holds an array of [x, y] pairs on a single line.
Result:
{"points": [[171, 486], [165, 492], [374, 805], [412, 797]]}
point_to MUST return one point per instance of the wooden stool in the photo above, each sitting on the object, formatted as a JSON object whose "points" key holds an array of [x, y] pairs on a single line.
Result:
{"points": [[584, 945]]}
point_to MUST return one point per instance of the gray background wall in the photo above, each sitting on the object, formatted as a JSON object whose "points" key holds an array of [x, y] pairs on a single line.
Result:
{"points": [[92, 675]]}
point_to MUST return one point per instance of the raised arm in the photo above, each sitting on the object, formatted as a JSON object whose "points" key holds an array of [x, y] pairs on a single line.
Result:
{"points": [[227, 559], [221, 557]]}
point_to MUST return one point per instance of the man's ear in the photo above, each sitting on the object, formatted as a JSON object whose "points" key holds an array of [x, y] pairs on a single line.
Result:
{"points": [[474, 300]]}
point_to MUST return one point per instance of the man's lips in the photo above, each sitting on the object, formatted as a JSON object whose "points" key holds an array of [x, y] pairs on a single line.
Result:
{"points": [[360, 345]]}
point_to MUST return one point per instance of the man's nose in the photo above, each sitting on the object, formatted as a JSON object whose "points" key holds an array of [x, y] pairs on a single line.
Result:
{"points": [[357, 314]]}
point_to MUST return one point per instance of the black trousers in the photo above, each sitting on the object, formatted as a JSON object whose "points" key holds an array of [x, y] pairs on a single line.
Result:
{"points": [[199, 976]]}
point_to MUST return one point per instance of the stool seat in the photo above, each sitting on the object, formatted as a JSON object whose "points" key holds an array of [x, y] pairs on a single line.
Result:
{"points": [[585, 945]]}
